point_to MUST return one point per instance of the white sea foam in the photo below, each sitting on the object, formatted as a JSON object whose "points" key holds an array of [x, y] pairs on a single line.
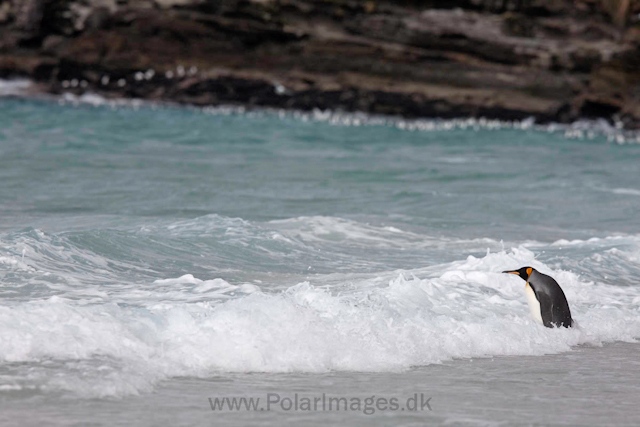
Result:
{"points": [[320, 228], [626, 191], [600, 242], [349, 232], [14, 87], [387, 323]]}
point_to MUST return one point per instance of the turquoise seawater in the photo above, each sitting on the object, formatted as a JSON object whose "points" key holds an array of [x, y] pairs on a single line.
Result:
{"points": [[153, 251]]}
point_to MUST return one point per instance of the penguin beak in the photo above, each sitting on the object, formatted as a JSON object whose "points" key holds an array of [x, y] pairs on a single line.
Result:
{"points": [[512, 272]]}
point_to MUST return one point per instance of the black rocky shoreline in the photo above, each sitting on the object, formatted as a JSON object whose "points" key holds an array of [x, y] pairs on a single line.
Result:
{"points": [[555, 61]]}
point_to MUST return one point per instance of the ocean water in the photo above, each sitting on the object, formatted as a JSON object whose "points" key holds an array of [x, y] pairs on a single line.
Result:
{"points": [[153, 257]]}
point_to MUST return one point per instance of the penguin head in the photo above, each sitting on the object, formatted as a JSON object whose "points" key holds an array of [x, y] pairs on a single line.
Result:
{"points": [[524, 272]]}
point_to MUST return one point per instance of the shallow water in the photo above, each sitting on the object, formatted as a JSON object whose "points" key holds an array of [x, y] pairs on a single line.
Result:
{"points": [[158, 251], [587, 386]]}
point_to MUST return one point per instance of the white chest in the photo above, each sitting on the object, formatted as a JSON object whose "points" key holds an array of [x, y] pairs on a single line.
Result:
{"points": [[534, 305]]}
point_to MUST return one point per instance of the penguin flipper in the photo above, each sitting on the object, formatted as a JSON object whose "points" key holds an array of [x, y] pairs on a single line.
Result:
{"points": [[556, 316], [562, 315], [546, 309]]}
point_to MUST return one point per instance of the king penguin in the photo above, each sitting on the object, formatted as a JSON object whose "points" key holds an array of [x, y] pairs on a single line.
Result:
{"points": [[547, 302]]}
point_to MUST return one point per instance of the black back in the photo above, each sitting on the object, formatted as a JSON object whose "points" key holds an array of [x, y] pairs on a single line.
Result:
{"points": [[554, 307]]}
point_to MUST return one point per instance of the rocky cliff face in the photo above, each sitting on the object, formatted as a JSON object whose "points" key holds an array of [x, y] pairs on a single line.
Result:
{"points": [[555, 60]]}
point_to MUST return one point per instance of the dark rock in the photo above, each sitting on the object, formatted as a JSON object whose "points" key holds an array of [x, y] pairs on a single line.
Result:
{"points": [[555, 60], [98, 19], [595, 109], [6, 12], [52, 44], [28, 15], [518, 26]]}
